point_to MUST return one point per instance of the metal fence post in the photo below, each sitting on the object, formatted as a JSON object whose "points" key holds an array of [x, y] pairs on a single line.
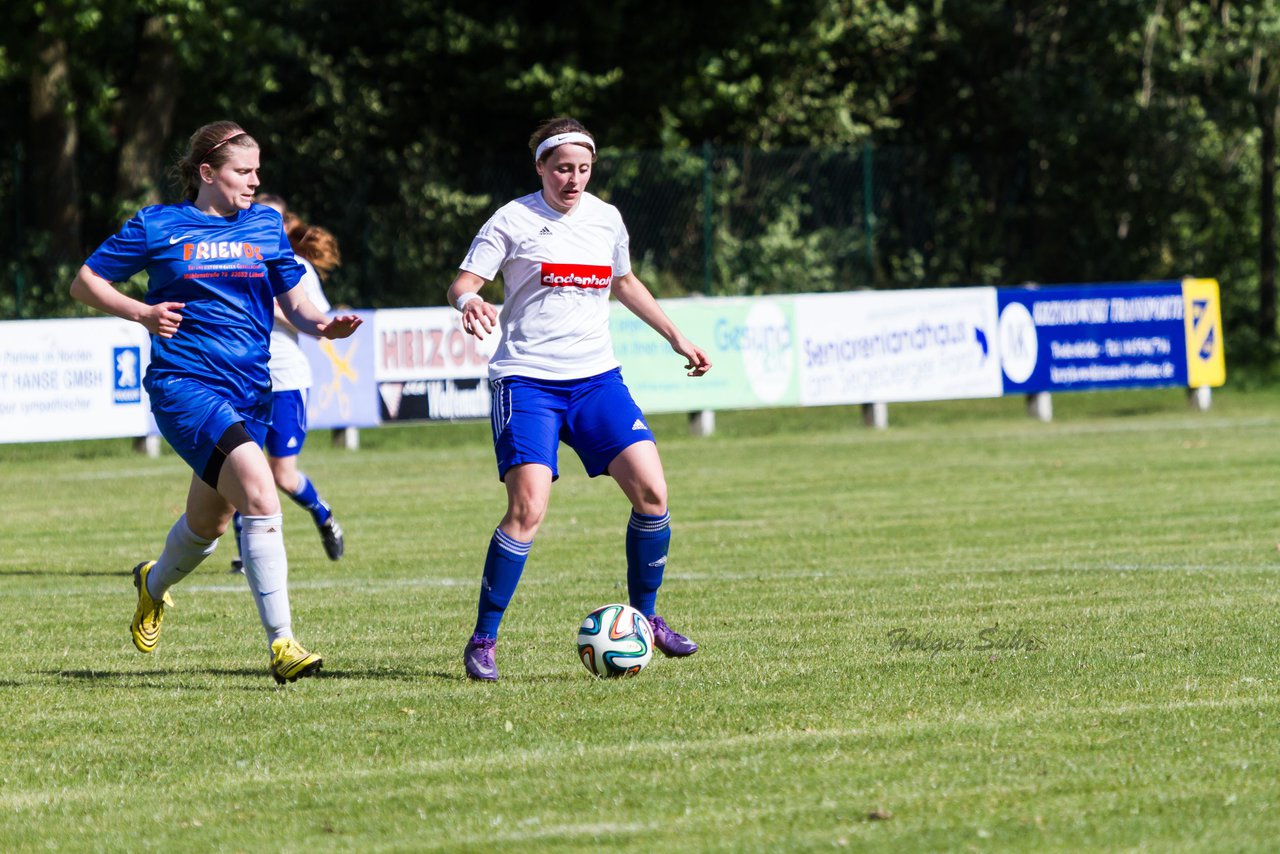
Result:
{"points": [[869, 211], [707, 231], [19, 280]]}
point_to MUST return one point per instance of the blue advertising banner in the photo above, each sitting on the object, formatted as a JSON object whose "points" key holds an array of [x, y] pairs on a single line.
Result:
{"points": [[344, 392], [1076, 337]]}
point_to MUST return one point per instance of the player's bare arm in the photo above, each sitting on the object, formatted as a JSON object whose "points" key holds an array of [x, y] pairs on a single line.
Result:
{"points": [[282, 322], [96, 292], [309, 320]]}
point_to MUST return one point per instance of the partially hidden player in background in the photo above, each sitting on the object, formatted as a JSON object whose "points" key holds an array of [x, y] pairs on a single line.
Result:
{"points": [[216, 263], [316, 249], [554, 376]]}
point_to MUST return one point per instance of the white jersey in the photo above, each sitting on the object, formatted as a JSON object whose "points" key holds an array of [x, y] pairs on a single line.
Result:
{"points": [[290, 369], [558, 271]]}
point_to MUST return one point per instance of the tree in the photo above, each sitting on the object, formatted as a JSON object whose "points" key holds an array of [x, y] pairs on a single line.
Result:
{"points": [[147, 107], [1014, 139], [1224, 53], [53, 140]]}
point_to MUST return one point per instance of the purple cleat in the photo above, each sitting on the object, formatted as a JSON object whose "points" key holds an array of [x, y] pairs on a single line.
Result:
{"points": [[671, 643], [478, 657]]}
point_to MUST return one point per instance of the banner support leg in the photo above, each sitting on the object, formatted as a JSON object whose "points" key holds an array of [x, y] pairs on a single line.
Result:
{"points": [[876, 415], [1040, 406], [702, 423]]}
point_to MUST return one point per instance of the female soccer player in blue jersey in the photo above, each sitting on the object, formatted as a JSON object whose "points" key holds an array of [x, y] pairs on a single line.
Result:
{"points": [[215, 263], [561, 252]]}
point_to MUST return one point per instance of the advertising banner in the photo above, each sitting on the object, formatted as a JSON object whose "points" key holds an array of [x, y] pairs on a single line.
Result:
{"points": [[888, 346], [73, 379], [750, 341], [1075, 337], [1206, 362], [81, 378], [427, 367], [343, 388]]}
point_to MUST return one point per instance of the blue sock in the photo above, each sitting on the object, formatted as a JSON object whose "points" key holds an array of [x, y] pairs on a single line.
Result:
{"points": [[502, 567], [308, 499], [238, 525], [648, 539]]}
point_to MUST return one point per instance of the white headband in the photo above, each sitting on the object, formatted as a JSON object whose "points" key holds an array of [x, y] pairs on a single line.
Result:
{"points": [[561, 139]]}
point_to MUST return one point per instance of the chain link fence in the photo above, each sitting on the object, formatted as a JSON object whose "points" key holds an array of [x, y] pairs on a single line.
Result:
{"points": [[736, 221], [714, 221]]}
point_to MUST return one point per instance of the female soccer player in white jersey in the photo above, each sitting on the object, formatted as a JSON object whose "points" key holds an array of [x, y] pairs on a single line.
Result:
{"points": [[316, 249], [561, 252], [215, 263]]}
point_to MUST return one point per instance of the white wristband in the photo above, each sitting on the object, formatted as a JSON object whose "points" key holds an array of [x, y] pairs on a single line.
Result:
{"points": [[461, 302]]}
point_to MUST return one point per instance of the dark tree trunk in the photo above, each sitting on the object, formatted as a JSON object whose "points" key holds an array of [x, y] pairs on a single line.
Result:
{"points": [[146, 117], [54, 200], [1266, 111]]}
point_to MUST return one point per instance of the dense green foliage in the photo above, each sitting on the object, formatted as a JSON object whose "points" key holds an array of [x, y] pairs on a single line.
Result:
{"points": [[1014, 140], [1124, 557]]}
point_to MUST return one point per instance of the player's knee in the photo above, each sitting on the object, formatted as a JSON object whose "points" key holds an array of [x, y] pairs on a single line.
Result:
{"points": [[523, 528], [207, 527], [261, 500], [651, 498], [523, 520], [284, 472]]}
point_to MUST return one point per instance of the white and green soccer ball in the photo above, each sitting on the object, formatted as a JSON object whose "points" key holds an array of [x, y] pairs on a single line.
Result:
{"points": [[615, 640]]}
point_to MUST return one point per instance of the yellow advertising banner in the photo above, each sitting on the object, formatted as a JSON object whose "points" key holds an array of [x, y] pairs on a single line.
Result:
{"points": [[1206, 362]]}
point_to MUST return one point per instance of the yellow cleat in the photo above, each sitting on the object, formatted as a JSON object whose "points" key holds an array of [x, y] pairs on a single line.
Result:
{"points": [[290, 662], [149, 614]]}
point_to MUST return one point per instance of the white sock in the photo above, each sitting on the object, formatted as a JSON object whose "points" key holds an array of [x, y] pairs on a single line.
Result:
{"points": [[267, 569], [183, 552]]}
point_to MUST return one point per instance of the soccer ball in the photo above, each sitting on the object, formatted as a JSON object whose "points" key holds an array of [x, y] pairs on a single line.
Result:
{"points": [[615, 640]]}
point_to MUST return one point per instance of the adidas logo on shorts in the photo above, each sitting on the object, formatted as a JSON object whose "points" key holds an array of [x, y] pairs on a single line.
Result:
{"points": [[639, 425]]}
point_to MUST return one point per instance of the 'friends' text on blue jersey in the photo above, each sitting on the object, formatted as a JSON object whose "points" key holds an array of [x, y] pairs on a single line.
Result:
{"points": [[227, 270]]}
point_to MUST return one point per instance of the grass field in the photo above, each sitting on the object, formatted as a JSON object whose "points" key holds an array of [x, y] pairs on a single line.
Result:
{"points": [[1118, 566]]}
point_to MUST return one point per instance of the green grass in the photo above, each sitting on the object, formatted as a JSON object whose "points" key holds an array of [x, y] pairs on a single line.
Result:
{"points": [[1131, 543]]}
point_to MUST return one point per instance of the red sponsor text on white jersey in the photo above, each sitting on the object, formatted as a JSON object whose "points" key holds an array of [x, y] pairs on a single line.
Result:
{"points": [[576, 275]]}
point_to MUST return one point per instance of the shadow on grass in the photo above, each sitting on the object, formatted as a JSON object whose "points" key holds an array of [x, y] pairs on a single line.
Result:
{"points": [[135, 678], [83, 573], [1135, 411], [121, 677]]}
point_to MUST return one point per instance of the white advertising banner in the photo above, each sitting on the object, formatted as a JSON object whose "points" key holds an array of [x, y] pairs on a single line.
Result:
{"points": [[888, 346], [81, 379], [427, 344], [73, 379], [427, 368]]}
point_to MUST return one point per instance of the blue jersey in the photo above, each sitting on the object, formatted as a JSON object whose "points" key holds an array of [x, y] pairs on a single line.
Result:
{"points": [[228, 271]]}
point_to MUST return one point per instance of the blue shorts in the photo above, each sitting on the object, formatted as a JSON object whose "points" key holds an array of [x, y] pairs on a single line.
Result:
{"points": [[192, 418], [595, 416], [288, 428]]}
